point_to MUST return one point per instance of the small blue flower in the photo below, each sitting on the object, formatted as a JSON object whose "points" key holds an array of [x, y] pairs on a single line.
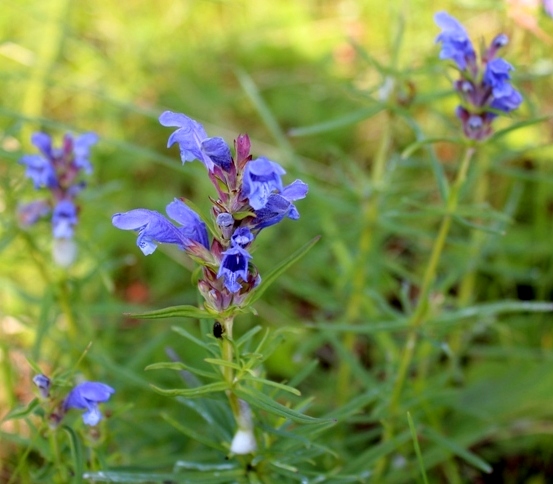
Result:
{"points": [[154, 228], [280, 205], [87, 396], [262, 177], [233, 266], [40, 171], [194, 143], [64, 219], [242, 237], [497, 76], [81, 150], [456, 44]]}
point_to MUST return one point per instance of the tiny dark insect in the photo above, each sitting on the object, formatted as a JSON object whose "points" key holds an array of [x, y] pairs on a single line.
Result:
{"points": [[218, 330]]}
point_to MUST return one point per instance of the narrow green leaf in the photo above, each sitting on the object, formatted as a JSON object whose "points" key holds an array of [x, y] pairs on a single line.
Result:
{"points": [[179, 366], [277, 271], [420, 143], [457, 450], [417, 448], [76, 454], [187, 430], [520, 125], [173, 312], [341, 122], [193, 392], [481, 228], [271, 383], [193, 339], [219, 362], [22, 412], [263, 402]]}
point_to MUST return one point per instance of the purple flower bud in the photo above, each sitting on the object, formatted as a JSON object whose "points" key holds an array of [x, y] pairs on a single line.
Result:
{"points": [[43, 383], [87, 396], [225, 221]]}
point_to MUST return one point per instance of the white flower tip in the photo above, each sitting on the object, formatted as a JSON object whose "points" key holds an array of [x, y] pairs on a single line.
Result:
{"points": [[243, 442], [64, 252]]}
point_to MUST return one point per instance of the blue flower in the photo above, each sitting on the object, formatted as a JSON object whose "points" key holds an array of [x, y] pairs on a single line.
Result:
{"points": [[87, 396], [154, 228], [233, 266], [279, 205], [497, 76], [262, 177], [194, 143], [242, 237], [64, 219], [456, 44], [40, 170], [81, 150]]}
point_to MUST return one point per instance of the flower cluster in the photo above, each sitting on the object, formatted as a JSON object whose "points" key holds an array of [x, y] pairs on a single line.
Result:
{"points": [[251, 197], [85, 396], [484, 86], [57, 169]]}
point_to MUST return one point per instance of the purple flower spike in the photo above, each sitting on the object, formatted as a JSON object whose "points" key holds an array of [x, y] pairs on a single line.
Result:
{"points": [[261, 179], [87, 396], [64, 219], [152, 228], [456, 44], [233, 266]]}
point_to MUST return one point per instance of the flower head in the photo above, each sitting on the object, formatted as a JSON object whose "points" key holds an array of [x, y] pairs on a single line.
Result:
{"points": [[57, 170], [483, 86], [43, 384], [87, 396]]}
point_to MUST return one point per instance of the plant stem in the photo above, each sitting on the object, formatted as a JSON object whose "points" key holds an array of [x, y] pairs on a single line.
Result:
{"points": [[227, 354], [421, 310], [420, 313], [366, 242]]}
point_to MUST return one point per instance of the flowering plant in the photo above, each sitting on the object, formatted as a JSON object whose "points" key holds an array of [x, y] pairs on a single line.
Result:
{"points": [[250, 197], [57, 169], [484, 84]]}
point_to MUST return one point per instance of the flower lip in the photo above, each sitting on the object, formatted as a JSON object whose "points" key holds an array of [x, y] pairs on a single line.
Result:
{"points": [[233, 266]]}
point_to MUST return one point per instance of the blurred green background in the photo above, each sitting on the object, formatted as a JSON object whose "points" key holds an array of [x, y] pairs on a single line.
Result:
{"points": [[315, 84]]}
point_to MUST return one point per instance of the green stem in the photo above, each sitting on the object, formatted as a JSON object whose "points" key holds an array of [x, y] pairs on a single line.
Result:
{"points": [[420, 313], [227, 354], [421, 310], [56, 454], [366, 242]]}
